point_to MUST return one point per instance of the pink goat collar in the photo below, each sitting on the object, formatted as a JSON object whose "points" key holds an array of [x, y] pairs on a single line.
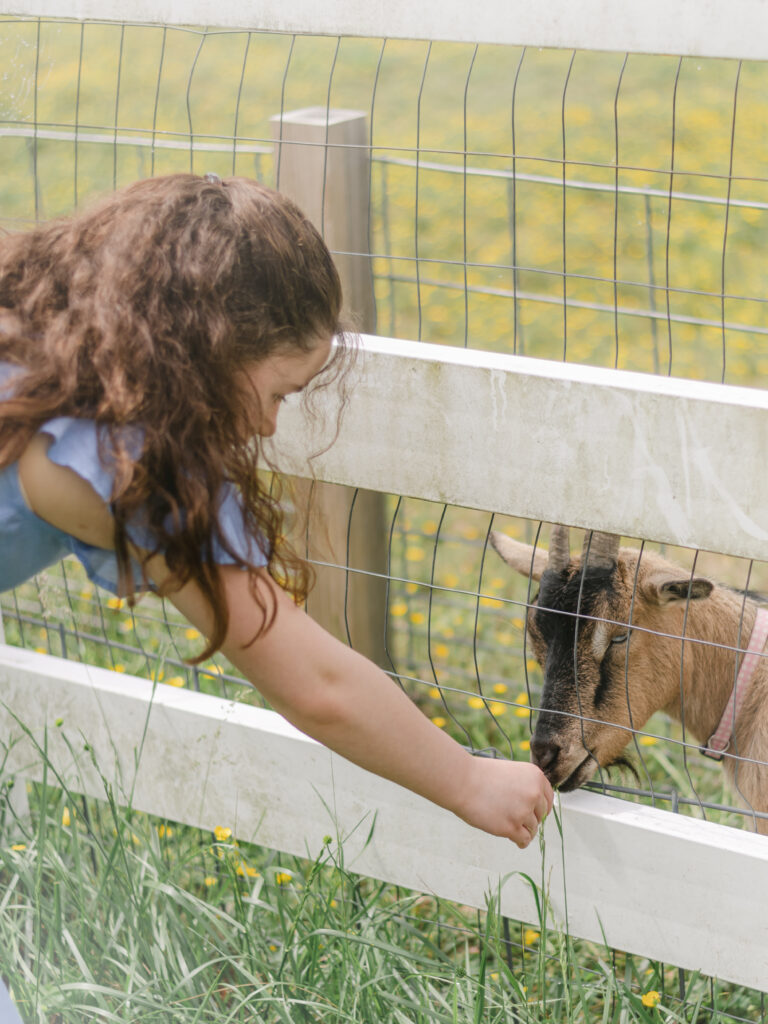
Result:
{"points": [[720, 739]]}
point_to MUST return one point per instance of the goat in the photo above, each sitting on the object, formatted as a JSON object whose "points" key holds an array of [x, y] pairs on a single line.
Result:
{"points": [[619, 637]]}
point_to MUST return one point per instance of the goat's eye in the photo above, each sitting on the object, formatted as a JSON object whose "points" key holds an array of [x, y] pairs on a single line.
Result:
{"points": [[621, 638]]}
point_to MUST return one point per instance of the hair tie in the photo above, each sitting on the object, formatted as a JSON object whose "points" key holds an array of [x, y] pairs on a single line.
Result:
{"points": [[212, 179]]}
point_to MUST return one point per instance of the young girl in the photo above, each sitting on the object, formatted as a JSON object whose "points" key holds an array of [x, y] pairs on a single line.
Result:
{"points": [[145, 345]]}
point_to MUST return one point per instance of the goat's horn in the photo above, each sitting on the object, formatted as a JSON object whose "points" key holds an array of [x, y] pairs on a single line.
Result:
{"points": [[559, 548], [600, 549]]}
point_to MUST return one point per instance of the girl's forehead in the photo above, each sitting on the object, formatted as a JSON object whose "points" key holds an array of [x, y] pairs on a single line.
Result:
{"points": [[294, 365]]}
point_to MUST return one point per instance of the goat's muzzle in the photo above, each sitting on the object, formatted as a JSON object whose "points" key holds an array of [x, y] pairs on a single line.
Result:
{"points": [[558, 763]]}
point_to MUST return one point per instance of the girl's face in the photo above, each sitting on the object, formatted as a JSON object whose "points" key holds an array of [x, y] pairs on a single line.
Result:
{"points": [[285, 372]]}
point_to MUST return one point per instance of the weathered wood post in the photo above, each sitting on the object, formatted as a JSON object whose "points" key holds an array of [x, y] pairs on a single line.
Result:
{"points": [[322, 163]]}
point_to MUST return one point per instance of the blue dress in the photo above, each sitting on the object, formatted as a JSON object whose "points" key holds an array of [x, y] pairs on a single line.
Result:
{"points": [[28, 544]]}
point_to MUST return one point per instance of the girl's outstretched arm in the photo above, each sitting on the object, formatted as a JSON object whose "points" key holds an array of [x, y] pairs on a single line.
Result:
{"points": [[321, 686], [338, 697]]}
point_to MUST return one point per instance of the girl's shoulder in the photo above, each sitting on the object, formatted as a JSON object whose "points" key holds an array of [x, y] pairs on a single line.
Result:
{"points": [[70, 494]]}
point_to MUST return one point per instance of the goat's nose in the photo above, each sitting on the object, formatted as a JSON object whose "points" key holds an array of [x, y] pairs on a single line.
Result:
{"points": [[545, 751]]}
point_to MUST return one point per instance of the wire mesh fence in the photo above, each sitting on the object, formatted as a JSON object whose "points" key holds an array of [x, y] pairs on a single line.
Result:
{"points": [[603, 208], [599, 208]]}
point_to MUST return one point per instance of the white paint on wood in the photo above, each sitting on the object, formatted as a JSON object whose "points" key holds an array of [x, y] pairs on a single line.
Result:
{"points": [[665, 459], [642, 880], [685, 27], [698, 28]]}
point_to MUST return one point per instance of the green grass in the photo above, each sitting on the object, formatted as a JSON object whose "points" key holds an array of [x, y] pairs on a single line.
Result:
{"points": [[110, 915]]}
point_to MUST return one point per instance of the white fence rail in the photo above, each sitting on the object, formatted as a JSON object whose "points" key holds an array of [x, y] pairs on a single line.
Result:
{"points": [[681, 27], [641, 880], [634, 454]]}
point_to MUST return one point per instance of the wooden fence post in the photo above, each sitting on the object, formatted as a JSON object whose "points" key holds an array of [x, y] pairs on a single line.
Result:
{"points": [[322, 163]]}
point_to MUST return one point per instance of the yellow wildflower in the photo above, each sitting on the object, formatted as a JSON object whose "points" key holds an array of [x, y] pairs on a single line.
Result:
{"points": [[524, 710], [164, 831], [524, 744], [283, 877], [439, 721], [434, 693], [411, 588], [414, 554], [530, 937], [209, 880], [476, 703], [417, 618], [399, 608], [500, 688], [450, 580], [191, 634], [491, 602], [517, 623], [66, 818], [119, 668], [115, 602], [652, 998], [176, 681], [648, 741], [18, 847], [441, 650], [498, 708], [222, 834]]}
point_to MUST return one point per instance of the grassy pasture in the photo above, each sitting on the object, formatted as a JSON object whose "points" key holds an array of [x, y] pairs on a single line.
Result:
{"points": [[627, 266]]}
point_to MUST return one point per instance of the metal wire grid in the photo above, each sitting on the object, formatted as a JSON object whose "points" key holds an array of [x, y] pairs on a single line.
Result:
{"points": [[639, 203]]}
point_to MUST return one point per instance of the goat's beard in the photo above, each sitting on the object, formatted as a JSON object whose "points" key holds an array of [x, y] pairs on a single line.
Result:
{"points": [[623, 762], [585, 772]]}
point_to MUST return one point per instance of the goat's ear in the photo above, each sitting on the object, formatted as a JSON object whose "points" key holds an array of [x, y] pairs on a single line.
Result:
{"points": [[523, 558], [664, 589]]}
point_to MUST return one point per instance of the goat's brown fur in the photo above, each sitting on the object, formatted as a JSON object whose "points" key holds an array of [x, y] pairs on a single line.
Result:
{"points": [[682, 653]]}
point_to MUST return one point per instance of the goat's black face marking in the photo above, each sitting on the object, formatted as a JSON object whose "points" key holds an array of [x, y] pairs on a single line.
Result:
{"points": [[564, 605]]}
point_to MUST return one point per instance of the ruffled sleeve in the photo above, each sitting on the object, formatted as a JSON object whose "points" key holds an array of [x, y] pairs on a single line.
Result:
{"points": [[76, 446]]}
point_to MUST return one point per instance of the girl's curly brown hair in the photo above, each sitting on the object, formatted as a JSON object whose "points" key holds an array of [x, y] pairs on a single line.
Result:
{"points": [[141, 311]]}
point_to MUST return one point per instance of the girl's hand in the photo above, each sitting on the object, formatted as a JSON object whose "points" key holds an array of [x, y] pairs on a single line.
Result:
{"points": [[505, 798]]}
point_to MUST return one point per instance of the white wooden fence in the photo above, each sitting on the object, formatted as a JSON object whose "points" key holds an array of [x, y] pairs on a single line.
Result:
{"points": [[636, 455]]}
